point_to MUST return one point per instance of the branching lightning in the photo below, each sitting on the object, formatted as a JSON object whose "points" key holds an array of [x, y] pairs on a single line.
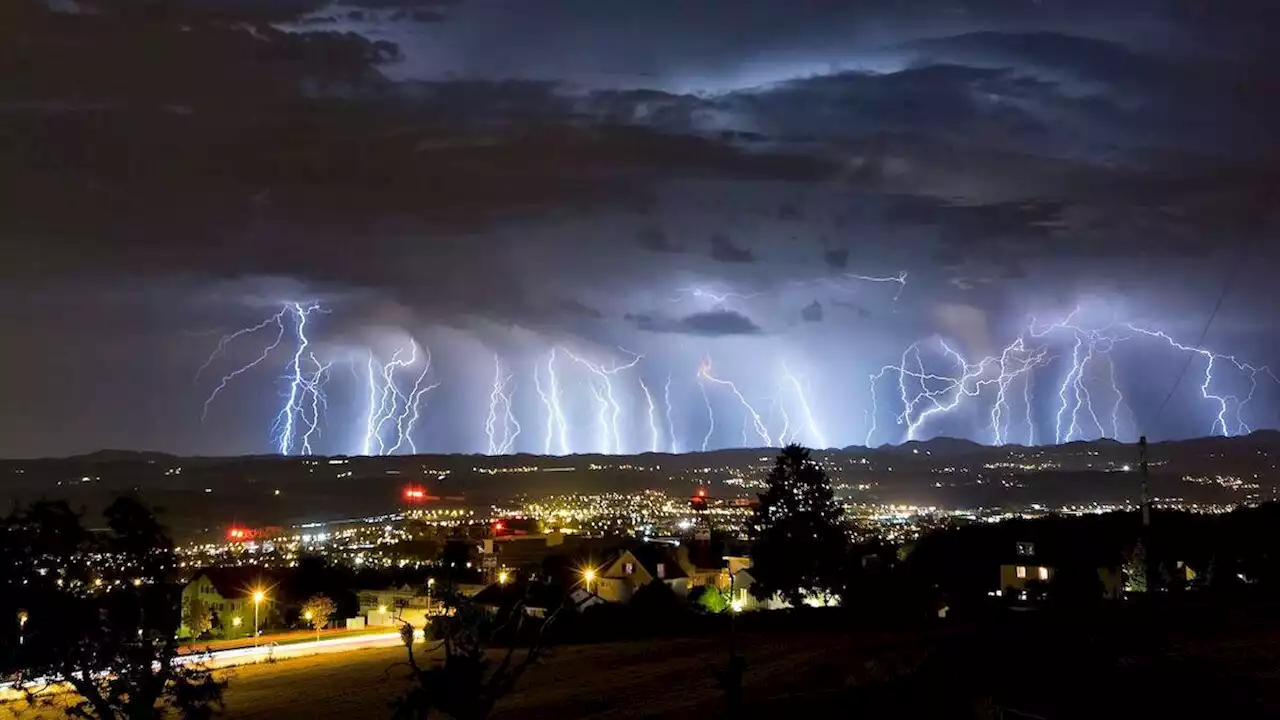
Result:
{"points": [[389, 405], [653, 417], [299, 387], [704, 373], [1089, 400], [602, 389], [818, 438], [711, 415], [277, 320], [839, 283], [501, 426], [1223, 402]]}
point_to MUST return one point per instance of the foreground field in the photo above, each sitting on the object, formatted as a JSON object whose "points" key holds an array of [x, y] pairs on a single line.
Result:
{"points": [[656, 678], [673, 678], [1188, 657]]}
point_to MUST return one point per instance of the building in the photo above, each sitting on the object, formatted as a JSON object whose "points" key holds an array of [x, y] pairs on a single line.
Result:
{"points": [[228, 594], [631, 569], [1031, 572]]}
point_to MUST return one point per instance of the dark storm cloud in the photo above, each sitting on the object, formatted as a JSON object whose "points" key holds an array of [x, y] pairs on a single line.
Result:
{"points": [[837, 259], [654, 239], [714, 323], [724, 250], [514, 168]]}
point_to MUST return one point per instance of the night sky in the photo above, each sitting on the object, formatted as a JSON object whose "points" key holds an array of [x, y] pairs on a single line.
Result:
{"points": [[787, 195]]}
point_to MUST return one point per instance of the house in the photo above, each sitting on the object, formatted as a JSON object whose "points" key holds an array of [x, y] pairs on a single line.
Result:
{"points": [[631, 569], [228, 594], [1031, 571]]}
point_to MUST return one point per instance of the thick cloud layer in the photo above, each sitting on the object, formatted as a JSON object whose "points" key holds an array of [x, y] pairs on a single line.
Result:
{"points": [[741, 182]]}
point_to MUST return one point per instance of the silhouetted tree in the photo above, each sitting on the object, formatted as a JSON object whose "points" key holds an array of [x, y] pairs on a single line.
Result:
{"points": [[468, 682], [800, 544], [1135, 569], [103, 613]]}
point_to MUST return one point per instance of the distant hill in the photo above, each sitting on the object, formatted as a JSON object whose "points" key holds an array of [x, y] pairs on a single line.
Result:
{"points": [[112, 456], [937, 447]]}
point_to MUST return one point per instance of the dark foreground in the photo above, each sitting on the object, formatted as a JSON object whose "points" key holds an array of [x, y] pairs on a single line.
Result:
{"points": [[1197, 656], [1191, 657]]}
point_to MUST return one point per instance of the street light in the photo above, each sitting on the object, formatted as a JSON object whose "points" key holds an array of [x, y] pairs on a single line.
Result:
{"points": [[308, 616], [22, 624], [588, 575], [502, 577], [258, 596]]}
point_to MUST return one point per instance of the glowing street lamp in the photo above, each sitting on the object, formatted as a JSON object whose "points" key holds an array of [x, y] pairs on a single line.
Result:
{"points": [[258, 596], [503, 577], [589, 575], [22, 624], [307, 615]]}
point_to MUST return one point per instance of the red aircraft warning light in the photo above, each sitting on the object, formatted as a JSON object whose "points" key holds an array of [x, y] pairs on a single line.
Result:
{"points": [[415, 494], [237, 534]]}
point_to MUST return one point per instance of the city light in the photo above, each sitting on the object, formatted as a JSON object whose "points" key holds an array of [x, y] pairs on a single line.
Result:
{"points": [[502, 577]]}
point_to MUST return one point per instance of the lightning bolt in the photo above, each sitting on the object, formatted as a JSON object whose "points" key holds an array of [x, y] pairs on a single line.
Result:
{"points": [[839, 283], [410, 412], [711, 416], [298, 386], [610, 410], [818, 437], [388, 404], [1074, 395], [555, 414], [653, 417], [704, 373], [780, 405], [1223, 402], [500, 411], [276, 319], [925, 393], [318, 400], [1086, 394]]}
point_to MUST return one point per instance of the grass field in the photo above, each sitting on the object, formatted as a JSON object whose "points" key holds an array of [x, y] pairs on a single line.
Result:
{"points": [[654, 678], [1187, 659]]}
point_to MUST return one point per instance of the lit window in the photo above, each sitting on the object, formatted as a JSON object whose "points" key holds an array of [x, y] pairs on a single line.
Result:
{"points": [[1022, 571], [1044, 573]]}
